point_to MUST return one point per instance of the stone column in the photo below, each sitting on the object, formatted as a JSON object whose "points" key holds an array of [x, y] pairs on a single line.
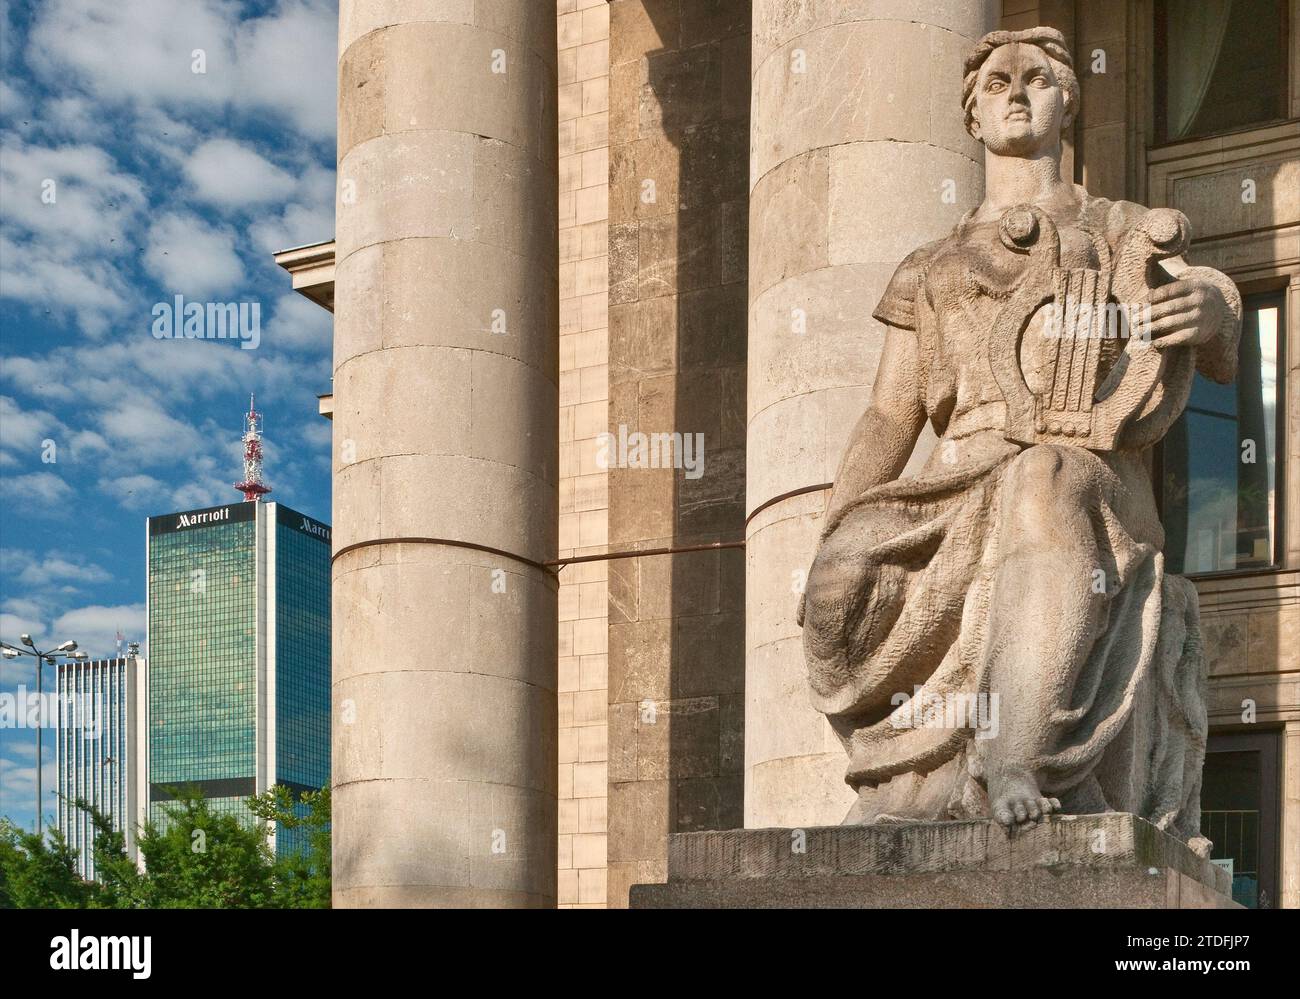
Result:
{"points": [[858, 156], [445, 395], [1290, 873]]}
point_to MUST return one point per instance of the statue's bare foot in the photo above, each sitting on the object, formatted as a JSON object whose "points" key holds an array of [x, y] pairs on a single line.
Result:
{"points": [[1015, 800]]}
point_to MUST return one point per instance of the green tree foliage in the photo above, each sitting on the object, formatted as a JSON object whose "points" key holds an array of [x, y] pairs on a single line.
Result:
{"points": [[194, 858], [302, 876], [38, 873]]}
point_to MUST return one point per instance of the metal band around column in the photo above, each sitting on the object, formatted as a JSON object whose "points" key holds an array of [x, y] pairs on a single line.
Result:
{"points": [[448, 542]]}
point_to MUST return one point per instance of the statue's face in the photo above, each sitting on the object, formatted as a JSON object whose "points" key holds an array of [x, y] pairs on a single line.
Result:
{"points": [[1019, 105]]}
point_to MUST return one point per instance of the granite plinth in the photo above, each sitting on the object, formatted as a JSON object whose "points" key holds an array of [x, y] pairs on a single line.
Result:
{"points": [[1088, 861]]}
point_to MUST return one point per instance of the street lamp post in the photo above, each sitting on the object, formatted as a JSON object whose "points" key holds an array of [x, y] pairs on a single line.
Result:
{"points": [[68, 650]]}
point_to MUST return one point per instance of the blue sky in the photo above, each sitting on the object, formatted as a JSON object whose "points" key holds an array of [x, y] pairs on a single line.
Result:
{"points": [[167, 182]]}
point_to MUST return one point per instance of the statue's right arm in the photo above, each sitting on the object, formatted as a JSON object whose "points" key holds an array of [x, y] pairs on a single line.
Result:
{"points": [[887, 432]]}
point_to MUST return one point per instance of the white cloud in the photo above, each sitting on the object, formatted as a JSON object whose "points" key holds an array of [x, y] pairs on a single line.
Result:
{"points": [[21, 620], [24, 607], [143, 434], [18, 670], [318, 433], [282, 64], [23, 431], [191, 257], [309, 218], [74, 116], [230, 174], [68, 214], [139, 399], [164, 136], [135, 50], [134, 492], [40, 493], [87, 442], [299, 324], [33, 435], [197, 494], [95, 628], [42, 571], [66, 194], [297, 225], [46, 275], [18, 781], [288, 63], [14, 101], [178, 374], [154, 165], [316, 187]]}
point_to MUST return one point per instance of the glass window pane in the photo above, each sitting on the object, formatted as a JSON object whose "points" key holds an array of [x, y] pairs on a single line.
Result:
{"points": [[1230, 818], [1220, 459], [1221, 65]]}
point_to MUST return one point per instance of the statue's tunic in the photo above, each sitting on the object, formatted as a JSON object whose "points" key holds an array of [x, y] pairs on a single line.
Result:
{"points": [[913, 562]]}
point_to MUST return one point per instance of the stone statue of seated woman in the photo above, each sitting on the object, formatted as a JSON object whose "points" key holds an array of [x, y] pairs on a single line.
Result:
{"points": [[1050, 340]]}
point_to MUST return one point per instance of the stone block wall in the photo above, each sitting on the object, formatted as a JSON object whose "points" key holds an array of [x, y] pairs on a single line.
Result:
{"points": [[583, 74], [679, 141]]}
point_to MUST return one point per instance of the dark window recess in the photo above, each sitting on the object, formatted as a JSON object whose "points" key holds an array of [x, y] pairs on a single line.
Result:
{"points": [[1221, 65], [1220, 470], [1239, 812], [227, 787]]}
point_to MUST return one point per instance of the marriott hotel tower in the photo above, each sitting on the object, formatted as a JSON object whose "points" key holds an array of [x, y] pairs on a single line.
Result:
{"points": [[239, 638]]}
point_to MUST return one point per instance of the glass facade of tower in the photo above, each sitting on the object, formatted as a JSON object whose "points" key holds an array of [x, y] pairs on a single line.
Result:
{"points": [[239, 637], [302, 634], [203, 679], [302, 656]]}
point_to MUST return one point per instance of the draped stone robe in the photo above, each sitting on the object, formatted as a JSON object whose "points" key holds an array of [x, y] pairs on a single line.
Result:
{"points": [[897, 603]]}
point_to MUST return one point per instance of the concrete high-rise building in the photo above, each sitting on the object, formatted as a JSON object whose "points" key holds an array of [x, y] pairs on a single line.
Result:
{"points": [[239, 638], [101, 755]]}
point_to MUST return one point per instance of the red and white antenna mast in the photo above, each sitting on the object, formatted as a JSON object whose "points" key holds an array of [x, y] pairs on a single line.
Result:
{"points": [[253, 487]]}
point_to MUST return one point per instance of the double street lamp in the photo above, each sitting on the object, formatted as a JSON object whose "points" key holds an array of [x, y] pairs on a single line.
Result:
{"points": [[68, 650]]}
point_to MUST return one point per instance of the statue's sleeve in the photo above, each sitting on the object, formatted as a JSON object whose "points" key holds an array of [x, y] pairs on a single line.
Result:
{"points": [[1216, 359], [898, 305]]}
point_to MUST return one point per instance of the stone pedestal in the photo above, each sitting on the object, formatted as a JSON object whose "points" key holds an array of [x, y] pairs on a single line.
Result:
{"points": [[1070, 862]]}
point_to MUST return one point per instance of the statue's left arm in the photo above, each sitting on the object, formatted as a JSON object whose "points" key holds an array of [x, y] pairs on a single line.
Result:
{"points": [[1193, 307]]}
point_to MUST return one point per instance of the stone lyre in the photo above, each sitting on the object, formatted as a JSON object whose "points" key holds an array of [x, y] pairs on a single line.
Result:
{"points": [[1098, 394]]}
